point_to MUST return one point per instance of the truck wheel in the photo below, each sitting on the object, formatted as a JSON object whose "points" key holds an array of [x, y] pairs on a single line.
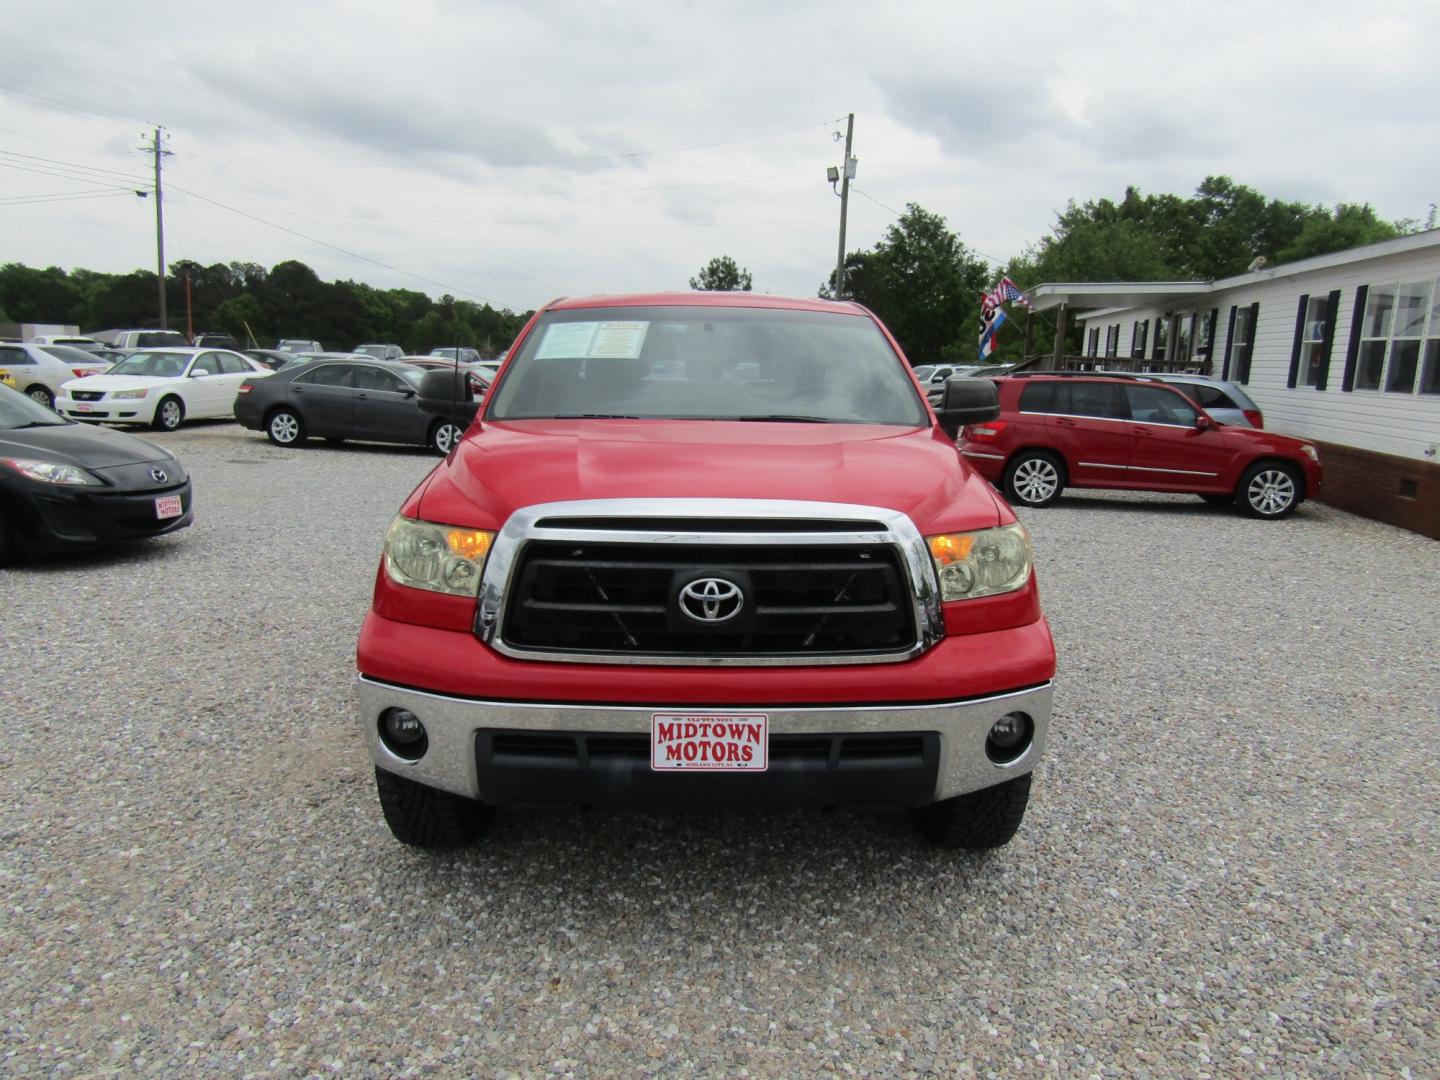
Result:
{"points": [[980, 820], [425, 817], [1034, 478]]}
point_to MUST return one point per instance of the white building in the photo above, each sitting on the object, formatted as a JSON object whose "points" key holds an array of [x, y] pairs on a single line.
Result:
{"points": [[1343, 349]]}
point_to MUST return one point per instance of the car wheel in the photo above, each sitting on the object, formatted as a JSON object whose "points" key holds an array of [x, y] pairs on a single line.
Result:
{"points": [[426, 817], [444, 436], [285, 428], [1269, 489], [1217, 498], [169, 414], [1034, 478], [978, 821], [41, 396]]}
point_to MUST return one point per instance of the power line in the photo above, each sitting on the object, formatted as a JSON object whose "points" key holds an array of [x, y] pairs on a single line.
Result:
{"points": [[561, 191], [67, 103], [333, 247], [897, 213], [91, 181], [69, 164], [74, 196]]}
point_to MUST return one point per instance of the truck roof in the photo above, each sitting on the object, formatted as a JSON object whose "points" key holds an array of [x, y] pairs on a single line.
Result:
{"points": [[707, 299]]}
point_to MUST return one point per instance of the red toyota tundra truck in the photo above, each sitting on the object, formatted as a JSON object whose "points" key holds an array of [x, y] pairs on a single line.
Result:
{"points": [[705, 550]]}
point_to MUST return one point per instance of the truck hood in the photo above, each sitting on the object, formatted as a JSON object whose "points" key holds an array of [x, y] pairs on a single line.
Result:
{"points": [[503, 466]]}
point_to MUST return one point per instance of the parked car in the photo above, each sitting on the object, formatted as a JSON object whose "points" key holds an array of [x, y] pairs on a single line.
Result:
{"points": [[1107, 431], [161, 387], [274, 359], [299, 345], [66, 485], [380, 351], [465, 356], [347, 398], [1224, 401], [480, 377], [705, 550], [141, 339], [216, 341], [40, 370]]}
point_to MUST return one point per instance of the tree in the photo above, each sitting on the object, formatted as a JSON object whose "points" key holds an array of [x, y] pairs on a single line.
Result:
{"points": [[1351, 225], [922, 282], [721, 274]]}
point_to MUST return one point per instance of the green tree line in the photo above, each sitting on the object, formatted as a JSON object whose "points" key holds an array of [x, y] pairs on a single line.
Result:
{"points": [[287, 301], [926, 285]]}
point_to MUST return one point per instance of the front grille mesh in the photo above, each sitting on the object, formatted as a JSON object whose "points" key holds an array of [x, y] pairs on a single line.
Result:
{"points": [[620, 598]]}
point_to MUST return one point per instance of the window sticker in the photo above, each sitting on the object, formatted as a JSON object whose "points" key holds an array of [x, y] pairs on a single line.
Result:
{"points": [[566, 340], [580, 340], [619, 340]]}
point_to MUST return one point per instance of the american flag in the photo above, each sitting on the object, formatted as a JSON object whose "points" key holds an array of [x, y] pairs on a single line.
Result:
{"points": [[1007, 290]]}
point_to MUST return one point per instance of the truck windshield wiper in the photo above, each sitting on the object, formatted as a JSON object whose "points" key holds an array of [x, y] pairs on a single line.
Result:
{"points": [[593, 416], [784, 418]]}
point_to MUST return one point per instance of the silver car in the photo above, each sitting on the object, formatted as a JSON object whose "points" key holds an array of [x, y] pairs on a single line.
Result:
{"points": [[1224, 401]]}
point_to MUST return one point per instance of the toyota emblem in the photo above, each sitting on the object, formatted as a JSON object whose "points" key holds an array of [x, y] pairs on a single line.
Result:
{"points": [[158, 475], [711, 600]]}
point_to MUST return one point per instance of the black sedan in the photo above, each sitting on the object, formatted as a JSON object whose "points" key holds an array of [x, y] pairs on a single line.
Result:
{"points": [[343, 399], [69, 485]]}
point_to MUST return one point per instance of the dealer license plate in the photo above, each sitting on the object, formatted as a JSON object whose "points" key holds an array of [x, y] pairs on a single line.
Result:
{"points": [[710, 742], [168, 507], [80, 406]]}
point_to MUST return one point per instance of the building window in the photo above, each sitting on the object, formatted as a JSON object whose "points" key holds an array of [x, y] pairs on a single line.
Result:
{"points": [[1092, 347], [1241, 342], [1137, 339], [1162, 338], [1112, 340], [1400, 340], [1312, 340]]}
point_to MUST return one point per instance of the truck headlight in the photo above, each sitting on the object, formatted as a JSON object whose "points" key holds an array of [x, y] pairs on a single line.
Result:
{"points": [[983, 563], [441, 558]]}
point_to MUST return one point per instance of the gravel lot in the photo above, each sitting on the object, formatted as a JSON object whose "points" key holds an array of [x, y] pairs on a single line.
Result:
{"points": [[1231, 863]]}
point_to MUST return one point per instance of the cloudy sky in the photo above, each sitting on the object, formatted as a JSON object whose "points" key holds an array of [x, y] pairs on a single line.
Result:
{"points": [[515, 152]]}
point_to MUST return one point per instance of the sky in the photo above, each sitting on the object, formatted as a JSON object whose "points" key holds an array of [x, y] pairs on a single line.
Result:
{"points": [[512, 153]]}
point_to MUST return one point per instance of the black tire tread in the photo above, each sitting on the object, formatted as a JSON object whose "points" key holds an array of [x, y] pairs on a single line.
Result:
{"points": [[979, 821], [1242, 497], [425, 817], [1008, 485], [157, 423]]}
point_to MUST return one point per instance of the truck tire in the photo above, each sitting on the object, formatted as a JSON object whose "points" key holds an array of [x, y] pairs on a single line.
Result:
{"points": [[425, 817], [978, 821]]}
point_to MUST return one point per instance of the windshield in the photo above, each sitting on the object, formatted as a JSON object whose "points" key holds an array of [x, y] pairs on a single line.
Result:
{"points": [[18, 411], [160, 337], [69, 354], [161, 365], [377, 351], [708, 363]]}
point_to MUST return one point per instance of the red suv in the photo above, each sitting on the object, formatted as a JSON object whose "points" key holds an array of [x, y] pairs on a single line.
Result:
{"points": [[1109, 431]]}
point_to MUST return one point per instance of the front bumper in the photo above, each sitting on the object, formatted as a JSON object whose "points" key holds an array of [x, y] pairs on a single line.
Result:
{"points": [[459, 732], [53, 516], [108, 409]]}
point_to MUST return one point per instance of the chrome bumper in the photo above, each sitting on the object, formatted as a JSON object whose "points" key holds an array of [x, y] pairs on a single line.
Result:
{"points": [[451, 723]]}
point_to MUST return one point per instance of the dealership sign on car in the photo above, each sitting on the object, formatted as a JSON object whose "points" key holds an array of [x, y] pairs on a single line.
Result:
{"points": [[710, 741]]}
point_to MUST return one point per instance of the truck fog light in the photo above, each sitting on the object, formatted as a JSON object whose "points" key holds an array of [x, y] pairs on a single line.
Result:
{"points": [[402, 732], [1009, 737]]}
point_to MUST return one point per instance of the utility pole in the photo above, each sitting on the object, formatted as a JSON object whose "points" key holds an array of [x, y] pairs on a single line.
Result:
{"points": [[160, 153], [847, 173]]}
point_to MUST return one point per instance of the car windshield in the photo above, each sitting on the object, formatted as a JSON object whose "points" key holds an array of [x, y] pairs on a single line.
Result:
{"points": [[160, 337], [708, 363], [18, 411], [69, 354], [160, 365], [377, 351]]}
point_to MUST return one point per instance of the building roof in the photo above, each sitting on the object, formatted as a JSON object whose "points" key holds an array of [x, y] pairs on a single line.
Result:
{"points": [[1122, 295]]}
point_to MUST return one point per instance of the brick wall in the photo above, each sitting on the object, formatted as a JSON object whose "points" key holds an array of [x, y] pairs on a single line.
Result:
{"points": [[1399, 491]]}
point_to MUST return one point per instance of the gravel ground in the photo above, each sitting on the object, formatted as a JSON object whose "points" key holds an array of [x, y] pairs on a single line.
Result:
{"points": [[1229, 866]]}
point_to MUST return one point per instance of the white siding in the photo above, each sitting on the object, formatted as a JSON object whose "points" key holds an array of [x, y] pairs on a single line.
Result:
{"points": [[1403, 424]]}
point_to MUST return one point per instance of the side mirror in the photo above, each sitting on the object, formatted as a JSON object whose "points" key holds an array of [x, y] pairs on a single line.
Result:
{"points": [[967, 401], [445, 392], [1203, 423]]}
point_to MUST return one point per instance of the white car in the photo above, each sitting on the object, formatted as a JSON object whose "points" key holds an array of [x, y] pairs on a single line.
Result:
{"points": [[40, 370], [161, 387]]}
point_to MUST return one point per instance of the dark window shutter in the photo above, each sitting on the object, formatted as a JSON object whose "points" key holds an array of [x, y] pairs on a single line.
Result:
{"points": [[1229, 344], [1210, 342], [1249, 351], [1352, 351], [1332, 309], [1295, 348]]}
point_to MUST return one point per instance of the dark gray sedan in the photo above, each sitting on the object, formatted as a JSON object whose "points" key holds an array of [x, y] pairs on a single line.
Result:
{"points": [[373, 401]]}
